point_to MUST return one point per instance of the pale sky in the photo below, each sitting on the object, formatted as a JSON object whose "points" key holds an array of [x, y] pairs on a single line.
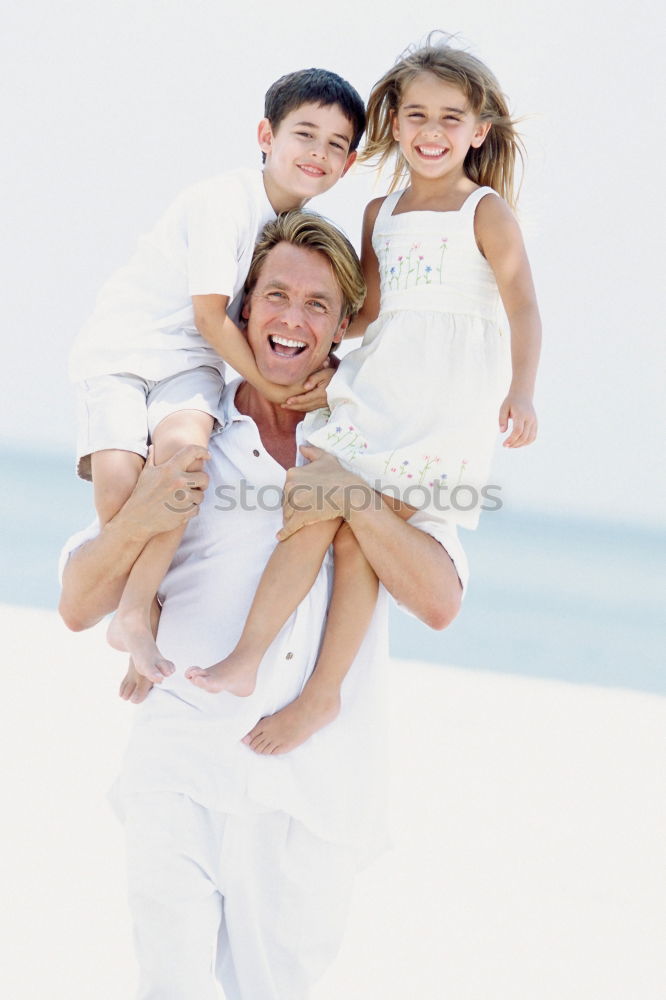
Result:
{"points": [[115, 108]]}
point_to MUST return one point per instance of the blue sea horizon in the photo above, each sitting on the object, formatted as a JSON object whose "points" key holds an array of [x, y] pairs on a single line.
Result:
{"points": [[570, 599]]}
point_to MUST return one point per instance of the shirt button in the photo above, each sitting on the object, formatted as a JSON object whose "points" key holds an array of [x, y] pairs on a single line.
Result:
{"points": [[289, 656], [255, 453]]}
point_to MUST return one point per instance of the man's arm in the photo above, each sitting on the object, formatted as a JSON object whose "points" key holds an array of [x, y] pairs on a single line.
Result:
{"points": [[413, 566], [165, 497]]}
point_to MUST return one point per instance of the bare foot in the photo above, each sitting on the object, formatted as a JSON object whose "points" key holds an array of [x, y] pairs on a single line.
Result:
{"points": [[133, 635], [296, 723], [134, 687], [237, 673]]}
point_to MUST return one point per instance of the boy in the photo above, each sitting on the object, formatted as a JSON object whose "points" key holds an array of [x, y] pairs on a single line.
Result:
{"points": [[149, 361]]}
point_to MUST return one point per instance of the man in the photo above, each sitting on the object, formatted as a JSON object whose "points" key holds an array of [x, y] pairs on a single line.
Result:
{"points": [[241, 864]]}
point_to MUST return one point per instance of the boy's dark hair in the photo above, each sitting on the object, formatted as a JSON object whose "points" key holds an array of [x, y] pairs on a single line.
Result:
{"points": [[315, 86]]}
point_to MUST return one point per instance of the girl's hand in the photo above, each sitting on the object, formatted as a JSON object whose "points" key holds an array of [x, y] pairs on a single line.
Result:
{"points": [[315, 385], [520, 411]]}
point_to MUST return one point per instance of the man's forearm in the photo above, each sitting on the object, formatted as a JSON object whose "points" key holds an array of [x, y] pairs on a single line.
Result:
{"points": [[411, 564], [96, 573], [415, 569]]}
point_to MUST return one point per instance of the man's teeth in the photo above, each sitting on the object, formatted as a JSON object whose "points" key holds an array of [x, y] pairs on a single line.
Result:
{"points": [[287, 343]]}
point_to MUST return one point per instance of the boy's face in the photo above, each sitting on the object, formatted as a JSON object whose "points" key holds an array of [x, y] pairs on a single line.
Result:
{"points": [[306, 154]]}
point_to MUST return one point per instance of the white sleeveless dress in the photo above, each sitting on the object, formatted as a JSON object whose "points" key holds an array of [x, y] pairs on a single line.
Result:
{"points": [[414, 411]]}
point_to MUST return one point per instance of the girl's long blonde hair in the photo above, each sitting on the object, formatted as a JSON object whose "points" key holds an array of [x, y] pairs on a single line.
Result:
{"points": [[494, 162]]}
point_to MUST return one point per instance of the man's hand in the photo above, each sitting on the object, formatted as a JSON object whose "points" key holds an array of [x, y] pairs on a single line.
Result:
{"points": [[314, 396], [167, 496], [320, 491], [519, 409]]}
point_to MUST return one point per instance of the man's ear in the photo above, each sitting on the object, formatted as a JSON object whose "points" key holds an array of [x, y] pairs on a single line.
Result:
{"points": [[265, 135], [341, 330], [245, 308], [350, 160]]}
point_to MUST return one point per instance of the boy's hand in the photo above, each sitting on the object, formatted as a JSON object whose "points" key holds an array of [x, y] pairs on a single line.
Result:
{"points": [[518, 408], [315, 385]]}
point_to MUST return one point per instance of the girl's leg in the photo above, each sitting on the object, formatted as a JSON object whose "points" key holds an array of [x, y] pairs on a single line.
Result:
{"points": [[352, 605], [288, 577], [130, 628]]}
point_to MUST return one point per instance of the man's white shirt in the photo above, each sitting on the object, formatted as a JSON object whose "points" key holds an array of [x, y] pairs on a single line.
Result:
{"points": [[189, 741]]}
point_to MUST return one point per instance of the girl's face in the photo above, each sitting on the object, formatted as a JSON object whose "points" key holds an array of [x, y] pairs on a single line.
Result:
{"points": [[435, 127]]}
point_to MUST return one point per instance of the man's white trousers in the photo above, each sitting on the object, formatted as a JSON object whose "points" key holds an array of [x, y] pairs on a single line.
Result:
{"points": [[255, 902]]}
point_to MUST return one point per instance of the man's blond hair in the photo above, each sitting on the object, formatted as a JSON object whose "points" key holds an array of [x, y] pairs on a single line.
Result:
{"points": [[313, 232]]}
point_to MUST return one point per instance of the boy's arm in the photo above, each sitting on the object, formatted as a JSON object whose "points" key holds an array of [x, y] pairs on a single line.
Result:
{"points": [[370, 309], [218, 330], [500, 241]]}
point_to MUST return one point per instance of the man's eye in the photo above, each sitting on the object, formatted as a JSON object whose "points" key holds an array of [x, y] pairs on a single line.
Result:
{"points": [[276, 295], [318, 305], [306, 135]]}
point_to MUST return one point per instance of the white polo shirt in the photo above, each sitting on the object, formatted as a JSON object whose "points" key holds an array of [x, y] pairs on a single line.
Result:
{"points": [[189, 741], [143, 321]]}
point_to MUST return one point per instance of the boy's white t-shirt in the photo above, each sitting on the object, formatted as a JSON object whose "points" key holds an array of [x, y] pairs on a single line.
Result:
{"points": [[143, 321]]}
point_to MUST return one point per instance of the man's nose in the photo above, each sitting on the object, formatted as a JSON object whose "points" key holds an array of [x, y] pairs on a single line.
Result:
{"points": [[293, 316]]}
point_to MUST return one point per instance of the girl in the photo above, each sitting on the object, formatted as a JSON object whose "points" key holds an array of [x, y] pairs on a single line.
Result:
{"points": [[414, 411]]}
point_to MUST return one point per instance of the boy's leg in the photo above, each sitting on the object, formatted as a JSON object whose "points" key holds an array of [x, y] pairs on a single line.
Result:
{"points": [[288, 577], [134, 686], [114, 476], [130, 628], [352, 605]]}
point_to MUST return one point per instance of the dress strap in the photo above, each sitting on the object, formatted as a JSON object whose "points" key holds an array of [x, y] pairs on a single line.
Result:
{"points": [[387, 206], [472, 200]]}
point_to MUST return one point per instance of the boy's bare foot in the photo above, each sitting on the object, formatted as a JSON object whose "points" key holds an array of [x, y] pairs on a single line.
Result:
{"points": [[131, 634], [237, 674], [279, 733], [134, 687]]}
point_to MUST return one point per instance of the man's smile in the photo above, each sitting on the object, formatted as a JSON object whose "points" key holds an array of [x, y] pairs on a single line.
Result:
{"points": [[286, 348]]}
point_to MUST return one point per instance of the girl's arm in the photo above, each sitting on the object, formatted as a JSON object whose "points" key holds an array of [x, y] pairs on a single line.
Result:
{"points": [[500, 241], [370, 310], [218, 330]]}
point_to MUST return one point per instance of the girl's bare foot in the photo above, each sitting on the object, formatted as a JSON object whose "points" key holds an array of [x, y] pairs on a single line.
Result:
{"points": [[237, 673], [279, 733], [134, 687], [131, 634]]}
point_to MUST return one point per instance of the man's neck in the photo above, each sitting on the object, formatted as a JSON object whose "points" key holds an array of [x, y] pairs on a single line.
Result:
{"points": [[277, 427]]}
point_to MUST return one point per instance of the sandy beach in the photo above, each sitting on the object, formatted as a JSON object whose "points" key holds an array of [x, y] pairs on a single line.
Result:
{"points": [[528, 816]]}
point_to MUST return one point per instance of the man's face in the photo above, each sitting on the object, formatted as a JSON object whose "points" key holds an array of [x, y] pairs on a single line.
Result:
{"points": [[293, 314]]}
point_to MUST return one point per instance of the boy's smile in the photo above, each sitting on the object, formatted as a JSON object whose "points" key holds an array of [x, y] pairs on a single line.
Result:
{"points": [[306, 154]]}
